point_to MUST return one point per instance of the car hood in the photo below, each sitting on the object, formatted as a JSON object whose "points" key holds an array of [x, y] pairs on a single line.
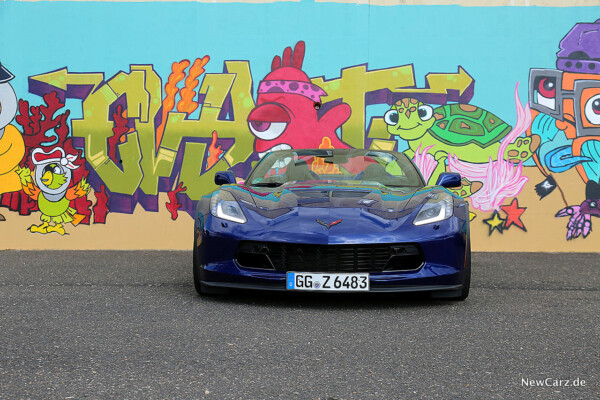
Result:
{"points": [[380, 198], [327, 211]]}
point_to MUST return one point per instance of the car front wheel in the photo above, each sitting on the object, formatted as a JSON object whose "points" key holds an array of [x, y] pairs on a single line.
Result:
{"points": [[463, 293], [196, 270], [201, 288]]}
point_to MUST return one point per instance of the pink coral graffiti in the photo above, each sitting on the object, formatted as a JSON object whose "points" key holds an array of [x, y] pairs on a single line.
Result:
{"points": [[425, 162], [501, 179]]}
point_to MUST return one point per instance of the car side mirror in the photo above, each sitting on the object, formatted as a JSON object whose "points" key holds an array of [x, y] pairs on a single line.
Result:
{"points": [[449, 180], [224, 178]]}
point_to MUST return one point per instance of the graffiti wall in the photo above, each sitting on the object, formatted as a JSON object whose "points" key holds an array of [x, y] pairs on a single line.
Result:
{"points": [[115, 116]]}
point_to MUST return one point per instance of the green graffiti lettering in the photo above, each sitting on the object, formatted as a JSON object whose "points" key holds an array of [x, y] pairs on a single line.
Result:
{"points": [[235, 83], [352, 88], [227, 102], [95, 128], [142, 166]]}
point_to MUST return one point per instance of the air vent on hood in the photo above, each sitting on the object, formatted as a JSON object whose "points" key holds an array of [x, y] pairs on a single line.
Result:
{"points": [[323, 194], [348, 193], [311, 194]]}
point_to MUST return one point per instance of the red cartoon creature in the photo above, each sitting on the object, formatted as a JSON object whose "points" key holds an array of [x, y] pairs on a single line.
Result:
{"points": [[286, 113]]}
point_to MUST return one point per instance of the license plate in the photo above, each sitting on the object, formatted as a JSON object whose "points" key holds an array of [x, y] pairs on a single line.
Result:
{"points": [[327, 282]]}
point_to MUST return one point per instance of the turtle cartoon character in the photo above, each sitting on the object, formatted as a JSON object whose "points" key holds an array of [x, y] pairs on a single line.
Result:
{"points": [[469, 132]]}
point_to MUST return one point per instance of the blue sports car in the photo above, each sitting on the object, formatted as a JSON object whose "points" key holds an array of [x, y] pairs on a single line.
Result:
{"points": [[333, 220]]}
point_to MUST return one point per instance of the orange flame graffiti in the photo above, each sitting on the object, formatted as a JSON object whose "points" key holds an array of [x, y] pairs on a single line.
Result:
{"points": [[79, 190], [31, 190], [319, 166], [214, 152], [187, 103], [123, 138], [124, 115], [171, 89]]}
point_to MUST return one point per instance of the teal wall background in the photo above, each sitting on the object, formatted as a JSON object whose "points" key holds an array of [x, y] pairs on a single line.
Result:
{"points": [[496, 46]]}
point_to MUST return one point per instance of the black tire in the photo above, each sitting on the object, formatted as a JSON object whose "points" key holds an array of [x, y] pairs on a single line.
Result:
{"points": [[200, 287], [467, 277], [461, 294], [196, 269]]}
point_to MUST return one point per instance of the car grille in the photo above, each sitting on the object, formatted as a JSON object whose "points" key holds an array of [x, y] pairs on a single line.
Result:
{"points": [[329, 258]]}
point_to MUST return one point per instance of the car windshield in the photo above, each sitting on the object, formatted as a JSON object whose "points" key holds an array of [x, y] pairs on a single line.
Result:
{"points": [[371, 167]]}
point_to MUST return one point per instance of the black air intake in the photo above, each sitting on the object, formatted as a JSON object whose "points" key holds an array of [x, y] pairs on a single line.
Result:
{"points": [[329, 258]]}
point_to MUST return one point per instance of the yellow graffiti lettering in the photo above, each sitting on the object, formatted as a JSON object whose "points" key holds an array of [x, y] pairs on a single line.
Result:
{"points": [[442, 83], [226, 101], [140, 164], [352, 88]]}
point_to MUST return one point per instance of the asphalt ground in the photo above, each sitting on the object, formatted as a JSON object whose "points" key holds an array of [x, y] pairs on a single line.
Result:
{"points": [[129, 325]]}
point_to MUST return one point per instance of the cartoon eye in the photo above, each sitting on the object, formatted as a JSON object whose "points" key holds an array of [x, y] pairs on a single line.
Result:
{"points": [[267, 130], [268, 121], [593, 204], [592, 110], [546, 91], [57, 170], [391, 117], [547, 87], [425, 112]]}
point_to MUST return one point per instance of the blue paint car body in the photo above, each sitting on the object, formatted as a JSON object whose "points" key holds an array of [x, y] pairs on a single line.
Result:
{"points": [[291, 214]]}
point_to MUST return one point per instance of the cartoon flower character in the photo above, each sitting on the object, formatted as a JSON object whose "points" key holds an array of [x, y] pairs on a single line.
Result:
{"points": [[286, 116], [580, 221], [50, 188], [12, 147]]}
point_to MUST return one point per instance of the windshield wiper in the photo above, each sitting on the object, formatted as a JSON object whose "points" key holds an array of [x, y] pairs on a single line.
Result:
{"points": [[267, 184]]}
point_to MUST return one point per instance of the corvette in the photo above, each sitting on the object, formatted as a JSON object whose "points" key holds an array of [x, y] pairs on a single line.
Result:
{"points": [[333, 220]]}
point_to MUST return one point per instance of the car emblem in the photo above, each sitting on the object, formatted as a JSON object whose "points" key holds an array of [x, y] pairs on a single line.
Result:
{"points": [[326, 225]]}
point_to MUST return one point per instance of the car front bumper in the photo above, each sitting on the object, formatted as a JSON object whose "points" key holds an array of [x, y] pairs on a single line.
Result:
{"points": [[442, 270], [429, 277]]}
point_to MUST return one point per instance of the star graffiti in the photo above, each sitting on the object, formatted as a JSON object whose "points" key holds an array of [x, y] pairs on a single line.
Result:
{"points": [[495, 222], [513, 217], [514, 212]]}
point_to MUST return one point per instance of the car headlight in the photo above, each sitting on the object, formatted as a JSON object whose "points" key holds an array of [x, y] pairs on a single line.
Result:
{"points": [[224, 205], [438, 208]]}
